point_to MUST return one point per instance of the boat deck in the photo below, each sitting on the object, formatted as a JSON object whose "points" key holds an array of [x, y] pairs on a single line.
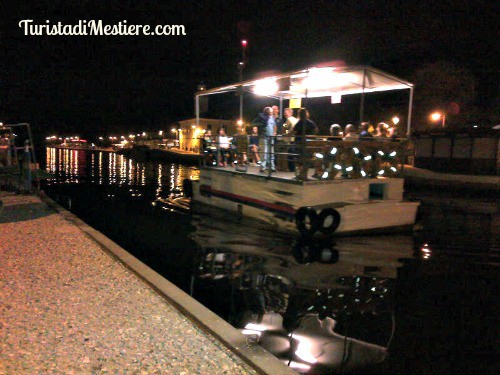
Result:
{"points": [[279, 175], [255, 171]]}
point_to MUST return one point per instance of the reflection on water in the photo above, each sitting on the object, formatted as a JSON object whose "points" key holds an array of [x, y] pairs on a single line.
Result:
{"points": [[319, 305], [103, 168], [421, 303]]}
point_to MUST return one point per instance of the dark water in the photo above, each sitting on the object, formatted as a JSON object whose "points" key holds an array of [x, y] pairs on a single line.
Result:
{"points": [[414, 303]]}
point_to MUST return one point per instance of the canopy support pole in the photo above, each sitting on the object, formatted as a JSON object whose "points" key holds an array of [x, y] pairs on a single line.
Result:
{"points": [[280, 131], [410, 108], [362, 105], [31, 143], [241, 102], [197, 109]]}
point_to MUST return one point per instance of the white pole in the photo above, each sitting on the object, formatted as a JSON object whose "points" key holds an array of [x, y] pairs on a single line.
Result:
{"points": [[197, 109], [410, 106]]}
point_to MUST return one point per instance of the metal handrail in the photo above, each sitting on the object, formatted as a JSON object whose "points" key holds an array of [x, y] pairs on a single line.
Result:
{"points": [[333, 155]]}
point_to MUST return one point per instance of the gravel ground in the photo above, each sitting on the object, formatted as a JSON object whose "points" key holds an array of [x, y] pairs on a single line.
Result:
{"points": [[66, 306]]}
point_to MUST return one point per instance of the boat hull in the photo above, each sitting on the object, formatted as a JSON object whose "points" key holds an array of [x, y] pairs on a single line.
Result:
{"points": [[276, 201]]}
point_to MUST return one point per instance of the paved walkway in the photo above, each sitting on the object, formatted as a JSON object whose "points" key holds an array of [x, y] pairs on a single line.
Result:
{"points": [[67, 306]]}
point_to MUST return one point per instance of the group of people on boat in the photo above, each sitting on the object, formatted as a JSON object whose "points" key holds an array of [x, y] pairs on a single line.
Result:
{"points": [[365, 132], [270, 125], [262, 147], [261, 140]]}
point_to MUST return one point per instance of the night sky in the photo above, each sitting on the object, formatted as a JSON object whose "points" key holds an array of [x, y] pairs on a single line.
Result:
{"points": [[103, 84]]}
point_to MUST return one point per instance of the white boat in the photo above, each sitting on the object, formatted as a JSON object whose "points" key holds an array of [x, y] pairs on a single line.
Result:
{"points": [[357, 185]]}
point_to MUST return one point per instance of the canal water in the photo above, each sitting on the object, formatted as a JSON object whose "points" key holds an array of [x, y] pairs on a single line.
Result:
{"points": [[418, 303]]}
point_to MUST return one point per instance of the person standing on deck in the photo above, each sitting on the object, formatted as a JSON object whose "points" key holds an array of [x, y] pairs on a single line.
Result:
{"points": [[304, 126], [266, 124], [302, 129], [290, 121], [288, 127], [279, 144], [277, 119]]}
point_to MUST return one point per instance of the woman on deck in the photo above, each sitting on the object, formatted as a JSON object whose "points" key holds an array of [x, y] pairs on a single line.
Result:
{"points": [[254, 145], [224, 147]]}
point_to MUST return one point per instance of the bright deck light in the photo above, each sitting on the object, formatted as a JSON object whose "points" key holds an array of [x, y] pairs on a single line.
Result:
{"points": [[392, 154], [381, 172], [381, 153], [265, 87], [348, 169], [337, 166], [356, 150], [369, 157], [323, 79], [333, 151], [318, 155], [325, 175]]}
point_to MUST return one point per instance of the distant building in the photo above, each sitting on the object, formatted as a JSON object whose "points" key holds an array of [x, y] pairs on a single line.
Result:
{"points": [[190, 133]]}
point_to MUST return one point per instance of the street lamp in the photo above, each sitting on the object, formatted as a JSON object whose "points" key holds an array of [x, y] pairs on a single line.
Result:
{"points": [[395, 120], [436, 116], [241, 66]]}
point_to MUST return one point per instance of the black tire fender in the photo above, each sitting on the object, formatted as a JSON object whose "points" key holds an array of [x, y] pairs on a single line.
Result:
{"points": [[331, 227], [307, 220]]}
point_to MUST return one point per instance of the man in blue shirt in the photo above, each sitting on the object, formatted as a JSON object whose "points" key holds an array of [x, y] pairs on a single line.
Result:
{"points": [[267, 125]]}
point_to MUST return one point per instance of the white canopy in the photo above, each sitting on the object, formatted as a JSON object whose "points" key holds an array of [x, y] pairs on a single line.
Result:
{"points": [[317, 82]]}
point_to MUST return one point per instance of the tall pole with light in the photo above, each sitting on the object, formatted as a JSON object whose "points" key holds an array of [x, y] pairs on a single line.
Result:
{"points": [[241, 66], [436, 116]]}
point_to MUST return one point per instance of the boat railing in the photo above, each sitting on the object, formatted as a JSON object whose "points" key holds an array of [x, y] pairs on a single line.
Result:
{"points": [[329, 157]]}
